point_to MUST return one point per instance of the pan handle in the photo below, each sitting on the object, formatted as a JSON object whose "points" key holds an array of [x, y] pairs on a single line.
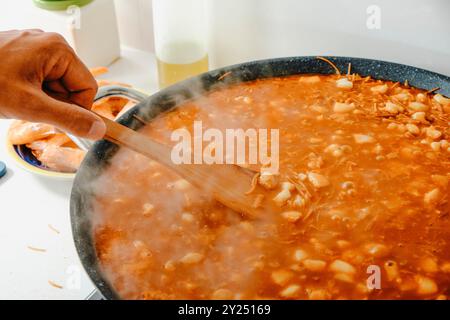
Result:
{"points": [[103, 92], [130, 93]]}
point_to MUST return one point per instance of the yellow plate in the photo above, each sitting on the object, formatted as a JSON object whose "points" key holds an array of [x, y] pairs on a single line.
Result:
{"points": [[28, 162], [23, 156]]}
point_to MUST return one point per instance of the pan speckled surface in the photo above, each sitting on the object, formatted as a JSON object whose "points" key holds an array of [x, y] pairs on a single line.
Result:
{"points": [[98, 157]]}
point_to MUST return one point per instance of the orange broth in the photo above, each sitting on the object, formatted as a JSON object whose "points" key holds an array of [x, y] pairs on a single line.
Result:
{"points": [[367, 169]]}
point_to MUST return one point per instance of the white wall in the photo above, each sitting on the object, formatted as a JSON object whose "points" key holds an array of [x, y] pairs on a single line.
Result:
{"points": [[135, 23], [414, 32], [134, 20]]}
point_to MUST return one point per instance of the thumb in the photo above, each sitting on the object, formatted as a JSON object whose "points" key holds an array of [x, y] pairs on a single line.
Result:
{"points": [[69, 117]]}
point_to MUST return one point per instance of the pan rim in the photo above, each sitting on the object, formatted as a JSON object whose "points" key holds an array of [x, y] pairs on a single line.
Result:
{"points": [[80, 222]]}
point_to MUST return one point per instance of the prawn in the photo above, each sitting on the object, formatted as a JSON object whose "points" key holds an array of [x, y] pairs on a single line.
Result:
{"points": [[23, 132], [58, 140], [53, 148], [130, 104], [110, 107], [62, 159], [58, 153], [98, 71]]}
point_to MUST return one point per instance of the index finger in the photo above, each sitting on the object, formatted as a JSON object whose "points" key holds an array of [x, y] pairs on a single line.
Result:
{"points": [[80, 83]]}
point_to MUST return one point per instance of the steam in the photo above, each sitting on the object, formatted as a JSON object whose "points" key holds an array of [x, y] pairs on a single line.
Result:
{"points": [[144, 218]]}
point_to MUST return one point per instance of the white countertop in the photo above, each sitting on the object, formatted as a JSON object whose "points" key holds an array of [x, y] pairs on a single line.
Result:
{"points": [[30, 203]]}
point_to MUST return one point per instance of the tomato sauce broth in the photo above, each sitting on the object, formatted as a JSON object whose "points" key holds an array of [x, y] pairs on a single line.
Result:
{"points": [[363, 185]]}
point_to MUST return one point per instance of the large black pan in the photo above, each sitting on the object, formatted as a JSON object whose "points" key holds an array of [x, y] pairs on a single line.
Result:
{"points": [[98, 157]]}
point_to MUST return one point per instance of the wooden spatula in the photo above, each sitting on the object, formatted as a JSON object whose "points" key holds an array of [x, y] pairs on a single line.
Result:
{"points": [[228, 184]]}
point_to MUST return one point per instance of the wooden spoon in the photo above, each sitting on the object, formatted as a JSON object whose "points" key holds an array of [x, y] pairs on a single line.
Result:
{"points": [[228, 184]]}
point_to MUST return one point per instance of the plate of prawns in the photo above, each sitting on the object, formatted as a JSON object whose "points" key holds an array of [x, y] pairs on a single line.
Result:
{"points": [[45, 150]]}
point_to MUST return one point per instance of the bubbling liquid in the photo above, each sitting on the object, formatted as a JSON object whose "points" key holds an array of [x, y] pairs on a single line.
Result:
{"points": [[366, 167]]}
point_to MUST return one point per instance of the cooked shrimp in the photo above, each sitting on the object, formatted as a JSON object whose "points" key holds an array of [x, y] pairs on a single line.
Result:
{"points": [[55, 149], [37, 147], [109, 107], [127, 107], [57, 140], [98, 71], [62, 159], [23, 132]]}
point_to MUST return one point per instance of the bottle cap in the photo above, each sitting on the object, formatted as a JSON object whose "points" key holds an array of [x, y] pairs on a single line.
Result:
{"points": [[2, 169]]}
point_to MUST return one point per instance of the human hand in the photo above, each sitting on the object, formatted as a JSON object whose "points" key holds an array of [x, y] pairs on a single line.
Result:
{"points": [[42, 80]]}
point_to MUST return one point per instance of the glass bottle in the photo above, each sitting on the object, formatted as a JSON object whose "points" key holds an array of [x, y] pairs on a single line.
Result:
{"points": [[180, 39]]}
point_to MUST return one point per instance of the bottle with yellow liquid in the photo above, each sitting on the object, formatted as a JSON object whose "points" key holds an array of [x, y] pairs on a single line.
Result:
{"points": [[180, 39]]}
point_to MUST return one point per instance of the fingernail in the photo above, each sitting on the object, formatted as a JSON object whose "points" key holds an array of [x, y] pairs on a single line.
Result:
{"points": [[97, 130]]}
